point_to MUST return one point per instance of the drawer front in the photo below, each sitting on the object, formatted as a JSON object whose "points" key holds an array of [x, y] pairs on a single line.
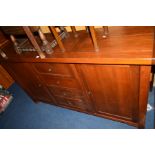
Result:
{"points": [[78, 103], [54, 69], [66, 92], [58, 81], [41, 93]]}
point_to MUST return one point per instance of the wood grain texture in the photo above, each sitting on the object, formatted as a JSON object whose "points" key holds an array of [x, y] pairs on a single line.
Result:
{"points": [[125, 45], [117, 92], [111, 89]]}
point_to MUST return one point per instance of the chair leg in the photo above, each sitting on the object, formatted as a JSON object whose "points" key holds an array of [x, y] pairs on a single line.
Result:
{"points": [[74, 31], [62, 28], [33, 41], [3, 54], [16, 45], [105, 31], [93, 35], [46, 45]]}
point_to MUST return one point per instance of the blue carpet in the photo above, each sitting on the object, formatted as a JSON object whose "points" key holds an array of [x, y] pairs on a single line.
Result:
{"points": [[24, 113]]}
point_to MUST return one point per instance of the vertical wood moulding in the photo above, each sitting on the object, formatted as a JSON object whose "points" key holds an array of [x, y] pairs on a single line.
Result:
{"points": [[143, 93]]}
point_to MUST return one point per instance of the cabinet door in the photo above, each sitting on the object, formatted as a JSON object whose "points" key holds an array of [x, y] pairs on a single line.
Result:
{"points": [[113, 89], [28, 80]]}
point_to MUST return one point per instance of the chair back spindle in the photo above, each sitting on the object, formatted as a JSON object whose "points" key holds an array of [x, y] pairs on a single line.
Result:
{"points": [[74, 31], [15, 43], [46, 45], [105, 31], [93, 35]]}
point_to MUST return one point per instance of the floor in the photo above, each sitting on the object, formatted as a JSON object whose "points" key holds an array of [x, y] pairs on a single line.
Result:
{"points": [[23, 113]]}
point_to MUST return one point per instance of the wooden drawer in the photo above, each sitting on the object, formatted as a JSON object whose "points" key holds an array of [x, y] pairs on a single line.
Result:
{"points": [[79, 103], [54, 69], [66, 92], [59, 81], [40, 93]]}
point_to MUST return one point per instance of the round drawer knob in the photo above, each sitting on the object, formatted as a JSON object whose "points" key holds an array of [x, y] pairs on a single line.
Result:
{"points": [[49, 69], [64, 94], [58, 82], [69, 103], [39, 85], [89, 93]]}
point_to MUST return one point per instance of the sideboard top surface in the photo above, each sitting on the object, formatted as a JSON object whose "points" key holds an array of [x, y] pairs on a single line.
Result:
{"points": [[124, 45]]}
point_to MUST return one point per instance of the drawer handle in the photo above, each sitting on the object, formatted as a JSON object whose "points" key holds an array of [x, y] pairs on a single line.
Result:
{"points": [[69, 103], [49, 69], [64, 94], [89, 92], [39, 85], [58, 82]]}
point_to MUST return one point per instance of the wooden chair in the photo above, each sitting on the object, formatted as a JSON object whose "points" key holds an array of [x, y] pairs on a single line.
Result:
{"points": [[91, 29], [14, 31], [47, 46], [57, 37]]}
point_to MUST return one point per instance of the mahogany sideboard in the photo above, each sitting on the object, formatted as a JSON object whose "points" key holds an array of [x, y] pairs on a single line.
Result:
{"points": [[112, 83]]}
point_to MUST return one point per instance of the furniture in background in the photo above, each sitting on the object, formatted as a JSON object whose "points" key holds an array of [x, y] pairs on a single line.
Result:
{"points": [[23, 44], [5, 79], [5, 99], [103, 76]]}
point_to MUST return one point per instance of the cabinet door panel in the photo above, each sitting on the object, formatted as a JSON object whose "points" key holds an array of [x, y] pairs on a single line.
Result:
{"points": [[113, 88]]}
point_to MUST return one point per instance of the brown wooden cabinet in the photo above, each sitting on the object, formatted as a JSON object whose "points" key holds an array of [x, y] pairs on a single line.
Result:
{"points": [[112, 83], [110, 91]]}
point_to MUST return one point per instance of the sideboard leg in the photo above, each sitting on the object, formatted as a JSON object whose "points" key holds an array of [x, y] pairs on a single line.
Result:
{"points": [[141, 126], [143, 94]]}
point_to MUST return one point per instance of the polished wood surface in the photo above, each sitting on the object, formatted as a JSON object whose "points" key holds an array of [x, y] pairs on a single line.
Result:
{"points": [[112, 83], [111, 86], [126, 45]]}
